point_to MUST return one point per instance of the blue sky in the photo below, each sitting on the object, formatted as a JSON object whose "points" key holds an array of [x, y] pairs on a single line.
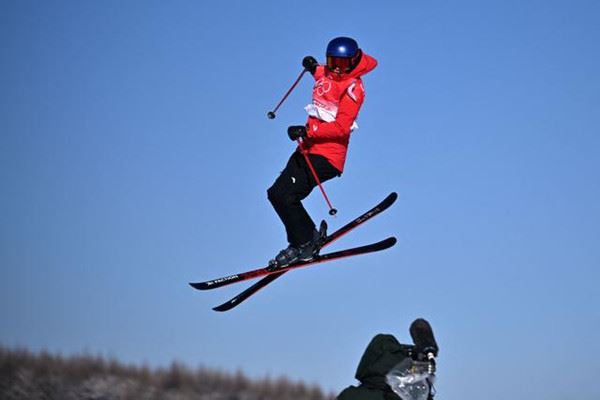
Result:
{"points": [[135, 156]]}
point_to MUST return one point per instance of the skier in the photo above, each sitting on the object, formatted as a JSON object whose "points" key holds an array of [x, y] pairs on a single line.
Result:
{"points": [[389, 370], [338, 94]]}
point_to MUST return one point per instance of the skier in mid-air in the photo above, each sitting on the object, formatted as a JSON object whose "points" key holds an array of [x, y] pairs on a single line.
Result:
{"points": [[338, 95]]}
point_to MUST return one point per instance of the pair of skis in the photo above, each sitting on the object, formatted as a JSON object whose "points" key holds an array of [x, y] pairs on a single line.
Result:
{"points": [[270, 275]]}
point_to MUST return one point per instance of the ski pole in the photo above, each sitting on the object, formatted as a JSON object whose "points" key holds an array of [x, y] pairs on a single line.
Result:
{"points": [[332, 211], [271, 114]]}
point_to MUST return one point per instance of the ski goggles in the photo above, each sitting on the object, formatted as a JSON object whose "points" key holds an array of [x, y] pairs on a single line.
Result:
{"points": [[343, 64], [412, 380]]}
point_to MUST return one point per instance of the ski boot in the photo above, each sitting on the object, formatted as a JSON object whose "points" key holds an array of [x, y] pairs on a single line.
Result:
{"points": [[305, 252]]}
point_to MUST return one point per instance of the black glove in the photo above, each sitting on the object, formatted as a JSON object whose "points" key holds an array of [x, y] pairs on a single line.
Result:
{"points": [[310, 64], [296, 132]]}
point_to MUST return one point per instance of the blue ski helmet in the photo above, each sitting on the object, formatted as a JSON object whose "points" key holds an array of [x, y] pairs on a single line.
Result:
{"points": [[343, 54]]}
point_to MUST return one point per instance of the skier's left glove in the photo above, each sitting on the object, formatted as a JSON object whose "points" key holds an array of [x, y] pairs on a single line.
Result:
{"points": [[296, 132]]}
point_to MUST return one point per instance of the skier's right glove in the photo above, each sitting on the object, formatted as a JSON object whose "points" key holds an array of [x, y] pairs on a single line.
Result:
{"points": [[296, 132], [310, 64]]}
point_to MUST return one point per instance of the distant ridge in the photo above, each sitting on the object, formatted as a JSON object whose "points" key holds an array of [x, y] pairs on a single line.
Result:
{"points": [[25, 375]]}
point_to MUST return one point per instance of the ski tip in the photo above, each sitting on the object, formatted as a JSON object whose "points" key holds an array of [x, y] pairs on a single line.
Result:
{"points": [[224, 307], [389, 200], [198, 285], [387, 243]]}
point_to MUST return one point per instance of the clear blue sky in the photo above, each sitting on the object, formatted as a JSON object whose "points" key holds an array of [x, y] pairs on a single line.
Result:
{"points": [[135, 156]]}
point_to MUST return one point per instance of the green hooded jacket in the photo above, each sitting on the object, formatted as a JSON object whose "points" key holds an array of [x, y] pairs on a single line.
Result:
{"points": [[381, 355]]}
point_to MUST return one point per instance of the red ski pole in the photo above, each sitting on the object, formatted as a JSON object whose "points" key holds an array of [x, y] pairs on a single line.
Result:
{"points": [[271, 114], [332, 211]]}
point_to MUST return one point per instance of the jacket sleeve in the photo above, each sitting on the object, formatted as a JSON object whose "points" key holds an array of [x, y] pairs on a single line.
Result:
{"points": [[347, 112]]}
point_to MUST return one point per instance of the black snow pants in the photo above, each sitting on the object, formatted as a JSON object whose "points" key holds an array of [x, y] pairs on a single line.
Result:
{"points": [[291, 187]]}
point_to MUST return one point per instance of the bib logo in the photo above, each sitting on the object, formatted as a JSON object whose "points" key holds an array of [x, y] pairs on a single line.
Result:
{"points": [[322, 86]]}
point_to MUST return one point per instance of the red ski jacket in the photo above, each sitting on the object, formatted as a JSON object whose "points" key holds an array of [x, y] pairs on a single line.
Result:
{"points": [[332, 114]]}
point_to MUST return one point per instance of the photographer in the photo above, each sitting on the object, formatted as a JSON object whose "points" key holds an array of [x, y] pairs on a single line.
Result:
{"points": [[389, 370]]}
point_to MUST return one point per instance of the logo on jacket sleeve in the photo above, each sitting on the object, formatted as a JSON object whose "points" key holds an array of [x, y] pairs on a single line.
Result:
{"points": [[353, 92]]}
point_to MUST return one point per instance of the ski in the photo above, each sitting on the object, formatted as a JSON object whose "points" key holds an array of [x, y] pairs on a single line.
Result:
{"points": [[382, 245], [256, 273], [370, 248], [379, 208]]}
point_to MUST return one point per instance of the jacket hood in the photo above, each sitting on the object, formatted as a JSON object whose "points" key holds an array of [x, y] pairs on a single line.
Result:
{"points": [[381, 355]]}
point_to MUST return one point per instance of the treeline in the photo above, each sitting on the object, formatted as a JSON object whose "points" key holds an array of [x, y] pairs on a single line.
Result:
{"points": [[25, 375]]}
